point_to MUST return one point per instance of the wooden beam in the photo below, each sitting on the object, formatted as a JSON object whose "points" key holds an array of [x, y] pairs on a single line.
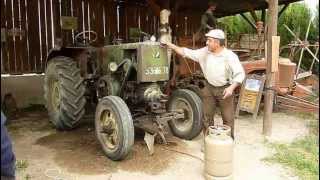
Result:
{"points": [[154, 7], [270, 84], [248, 20], [254, 15], [263, 16], [282, 10]]}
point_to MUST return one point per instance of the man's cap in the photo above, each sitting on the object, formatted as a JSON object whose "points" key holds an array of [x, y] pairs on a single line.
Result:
{"points": [[216, 33]]}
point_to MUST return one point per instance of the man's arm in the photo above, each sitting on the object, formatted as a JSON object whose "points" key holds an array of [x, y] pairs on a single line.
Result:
{"points": [[194, 55], [238, 75], [177, 49]]}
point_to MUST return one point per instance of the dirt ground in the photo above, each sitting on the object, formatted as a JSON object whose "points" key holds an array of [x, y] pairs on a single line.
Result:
{"points": [[76, 155]]}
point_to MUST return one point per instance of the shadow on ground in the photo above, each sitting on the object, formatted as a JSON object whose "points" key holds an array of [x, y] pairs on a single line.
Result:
{"points": [[78, 151]]}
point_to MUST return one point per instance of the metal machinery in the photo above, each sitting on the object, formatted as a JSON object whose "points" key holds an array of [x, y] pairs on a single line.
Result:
{"points": [[124, 83]]}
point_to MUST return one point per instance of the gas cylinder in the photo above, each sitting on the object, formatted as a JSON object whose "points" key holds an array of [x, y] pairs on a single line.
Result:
{"points": [[220, 129], [218, 155]]}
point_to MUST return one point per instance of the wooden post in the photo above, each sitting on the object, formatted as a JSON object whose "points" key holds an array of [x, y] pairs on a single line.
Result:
{"points": [[269, 95]]}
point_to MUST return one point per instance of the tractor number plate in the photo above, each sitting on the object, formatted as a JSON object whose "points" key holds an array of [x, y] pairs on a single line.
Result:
{"points": [[157, 70]]}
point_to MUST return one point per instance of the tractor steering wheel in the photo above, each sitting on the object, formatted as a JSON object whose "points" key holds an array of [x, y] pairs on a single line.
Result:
{"points": [[82, 38]]}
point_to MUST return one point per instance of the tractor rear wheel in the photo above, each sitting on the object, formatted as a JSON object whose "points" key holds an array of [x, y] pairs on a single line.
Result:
{"points": [[190, 103], [64, 93]]}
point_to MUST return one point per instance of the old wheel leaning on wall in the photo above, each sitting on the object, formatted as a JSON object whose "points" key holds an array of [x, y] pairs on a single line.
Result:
{"points": [[114, 127], [64, 93], [190, 103]]}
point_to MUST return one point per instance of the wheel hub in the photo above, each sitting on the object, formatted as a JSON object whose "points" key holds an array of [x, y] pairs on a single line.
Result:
{"points": [[184, 106], [109, 129], [55, 96]]}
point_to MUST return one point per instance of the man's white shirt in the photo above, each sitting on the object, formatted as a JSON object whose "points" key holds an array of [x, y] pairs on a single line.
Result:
{"points": [[218, 68]]}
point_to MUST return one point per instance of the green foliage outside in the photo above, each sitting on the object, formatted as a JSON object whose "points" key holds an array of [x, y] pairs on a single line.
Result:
{"points": [[297, 17], [235, 25], [302, 156]]}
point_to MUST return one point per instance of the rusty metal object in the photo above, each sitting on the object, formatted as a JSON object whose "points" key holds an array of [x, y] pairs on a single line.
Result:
{"points": [[243, 54], [286, 73], [293, 103], [301, 91], [257, 65]]}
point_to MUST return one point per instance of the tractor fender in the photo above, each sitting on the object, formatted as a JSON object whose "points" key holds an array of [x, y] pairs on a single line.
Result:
{"points": [[72, 52]]}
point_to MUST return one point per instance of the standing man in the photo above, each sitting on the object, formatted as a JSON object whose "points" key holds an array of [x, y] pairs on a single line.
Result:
{"points": [[208, 21], [222, 70]]}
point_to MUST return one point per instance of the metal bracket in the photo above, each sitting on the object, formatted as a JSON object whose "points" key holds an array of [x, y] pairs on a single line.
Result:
{"points": [[149, 139]]}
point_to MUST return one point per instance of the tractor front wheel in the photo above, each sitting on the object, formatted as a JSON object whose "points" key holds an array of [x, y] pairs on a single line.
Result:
{"points": [[114, 127]]}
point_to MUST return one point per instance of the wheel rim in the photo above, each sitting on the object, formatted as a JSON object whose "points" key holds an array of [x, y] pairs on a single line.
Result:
{"points": [[108, 129], [55, 96], [186, 123]]}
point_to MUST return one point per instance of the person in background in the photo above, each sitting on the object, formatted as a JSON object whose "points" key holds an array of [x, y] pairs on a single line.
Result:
{"points": [[208, 21], [7, 155], [222, 70]]}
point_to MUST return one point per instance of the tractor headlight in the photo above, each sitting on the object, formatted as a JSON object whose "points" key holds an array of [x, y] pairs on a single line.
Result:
{"points": [[113, 66]]}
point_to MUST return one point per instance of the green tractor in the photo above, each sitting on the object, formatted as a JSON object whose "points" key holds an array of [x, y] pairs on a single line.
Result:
{"points": [[125, 85]]}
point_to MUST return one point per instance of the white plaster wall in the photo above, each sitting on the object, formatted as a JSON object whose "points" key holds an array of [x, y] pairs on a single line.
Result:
{"points": [[26, 89]]}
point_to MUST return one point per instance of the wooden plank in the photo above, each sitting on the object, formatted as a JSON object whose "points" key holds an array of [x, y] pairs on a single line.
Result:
{"points": [[72, 15], [302, 100], [104, 17], [131, 19], [85, 15], [56, 21], [92, 18], [77, 12], [296, 102], [28, 67], [33, 35], [42, 36], [275, 53], [3, 15], [269, 97], [10, 43], [298, 106], [146, 20], [154, 7], [17, 38], [97, 21], [304, 75], [46, 32], [122, 22], [48, 20], [294, 108], [142, 15], [111, 22], [23, 41], [4, 47], [66, 11]]}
